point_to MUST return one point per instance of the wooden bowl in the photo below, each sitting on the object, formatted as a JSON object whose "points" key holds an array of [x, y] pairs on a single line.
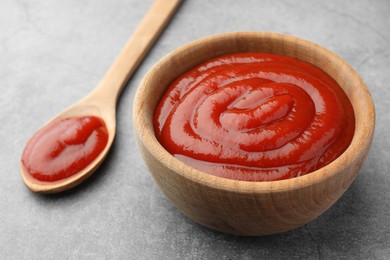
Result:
{"points": [[240, 207]]}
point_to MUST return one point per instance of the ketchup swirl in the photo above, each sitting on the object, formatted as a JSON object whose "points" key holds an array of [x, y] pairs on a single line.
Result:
{"points": [[255, 117]]}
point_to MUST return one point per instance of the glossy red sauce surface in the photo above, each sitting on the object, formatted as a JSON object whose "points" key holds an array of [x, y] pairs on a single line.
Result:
{"points": [[255, 117], [64, 147]]}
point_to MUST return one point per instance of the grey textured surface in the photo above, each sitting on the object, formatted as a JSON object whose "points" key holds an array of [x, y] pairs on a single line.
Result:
{"points": [[52, 53]]}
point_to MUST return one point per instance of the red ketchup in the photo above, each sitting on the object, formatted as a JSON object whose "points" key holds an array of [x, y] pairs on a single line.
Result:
{"points": [[255, 117], [64, 147]]}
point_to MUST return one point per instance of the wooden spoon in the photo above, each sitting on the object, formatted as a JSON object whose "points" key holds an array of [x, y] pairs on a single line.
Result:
{"points": [[101, 102]]}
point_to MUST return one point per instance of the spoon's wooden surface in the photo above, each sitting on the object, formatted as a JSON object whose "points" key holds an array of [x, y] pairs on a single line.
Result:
{"points": [[101, 102]]}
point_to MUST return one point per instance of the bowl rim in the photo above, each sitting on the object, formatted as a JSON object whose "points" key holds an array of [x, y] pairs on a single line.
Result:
{"points": [[360, 139]]}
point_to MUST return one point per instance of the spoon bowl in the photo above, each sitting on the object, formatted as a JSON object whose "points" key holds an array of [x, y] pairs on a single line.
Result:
{"points": [[88, 106]]}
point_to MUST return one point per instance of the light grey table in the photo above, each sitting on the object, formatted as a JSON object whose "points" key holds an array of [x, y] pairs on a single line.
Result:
{"points": [[54, 52]]}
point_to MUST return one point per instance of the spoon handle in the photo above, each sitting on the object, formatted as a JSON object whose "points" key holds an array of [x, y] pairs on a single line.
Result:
{"points": [[135, 49]]}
